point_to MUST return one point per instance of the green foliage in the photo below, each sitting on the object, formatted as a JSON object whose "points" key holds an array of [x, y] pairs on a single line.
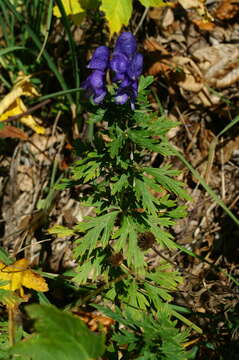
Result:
{"points": [[135, 204], [147, 338], [59, 335]]}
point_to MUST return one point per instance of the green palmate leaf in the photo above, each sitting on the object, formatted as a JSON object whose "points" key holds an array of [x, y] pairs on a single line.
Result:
{"points": [[95, 266], [117, 143], [119, 185], [117, 12], [87, 168], [143, 195], [142, 138], [162, 175], [144, 82], [59, 335], [126, 239], [98, 228], [135, 301], [154, 338], [163, 238], [164, 278]]}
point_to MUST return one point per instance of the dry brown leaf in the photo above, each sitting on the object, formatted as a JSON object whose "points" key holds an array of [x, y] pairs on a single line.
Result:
{"points": [[219, 64], [199, 6], [159, 67], [152, 44], [204, 25], [12, 132], [227, 9], [192, 78]]}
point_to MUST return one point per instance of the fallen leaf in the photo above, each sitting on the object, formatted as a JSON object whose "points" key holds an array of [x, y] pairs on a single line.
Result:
{"points": [[199, 6], [219, 64], [204, 25], [12, 104], [19, 274], [227, 9], [12, 132]]}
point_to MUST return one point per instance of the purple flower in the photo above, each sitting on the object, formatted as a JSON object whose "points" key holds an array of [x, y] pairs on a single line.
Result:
{"points": [[119, 64], [95, 85], [135, 66], [127, 65], [126, 44], [100, 59], [128, 90], [95, 82]]}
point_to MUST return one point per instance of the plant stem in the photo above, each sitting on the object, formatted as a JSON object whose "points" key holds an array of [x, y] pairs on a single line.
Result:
{"points": [[11, 326]]}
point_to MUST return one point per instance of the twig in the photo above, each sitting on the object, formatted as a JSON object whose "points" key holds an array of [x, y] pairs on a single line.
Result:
{"points": [[141, 20]]}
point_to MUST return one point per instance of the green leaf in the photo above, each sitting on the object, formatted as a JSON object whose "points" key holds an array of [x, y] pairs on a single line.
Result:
{"points": [[144, 82], [162, 175], [59, 336], [117, 12], [143, 194], [4, 257], [122, 183], [98, 228], [127, 240], [116, 144]]}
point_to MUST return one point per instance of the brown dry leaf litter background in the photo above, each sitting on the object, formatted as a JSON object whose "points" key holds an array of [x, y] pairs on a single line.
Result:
{"points": [[193, 52]]}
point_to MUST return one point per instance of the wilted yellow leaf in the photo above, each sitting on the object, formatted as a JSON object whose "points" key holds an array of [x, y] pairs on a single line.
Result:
{"points": [[12, 104], [19, 274], [72, 9], [155, 3]]}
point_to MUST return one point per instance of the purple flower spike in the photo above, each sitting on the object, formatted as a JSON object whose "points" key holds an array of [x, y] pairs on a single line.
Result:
{"points": [[126, 44], [135, 67], [95, 85], [126, 64], [100, 59]]}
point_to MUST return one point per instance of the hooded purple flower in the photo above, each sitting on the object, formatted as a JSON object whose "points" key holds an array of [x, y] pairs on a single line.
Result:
{"points": [[95, 85], [100, 59], [95, 82], [126, 44], [128, 90], [135, 67], [127, 65]]}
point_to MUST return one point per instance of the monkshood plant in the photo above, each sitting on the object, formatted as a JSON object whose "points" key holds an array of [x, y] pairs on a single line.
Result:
{"points": [[135, 205]]}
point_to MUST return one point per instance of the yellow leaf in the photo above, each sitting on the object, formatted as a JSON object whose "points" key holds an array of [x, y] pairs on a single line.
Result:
{"points": [[155, 3], [34, 281], [71, 7], [117, 12], [12, 104], [19, 275]]}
